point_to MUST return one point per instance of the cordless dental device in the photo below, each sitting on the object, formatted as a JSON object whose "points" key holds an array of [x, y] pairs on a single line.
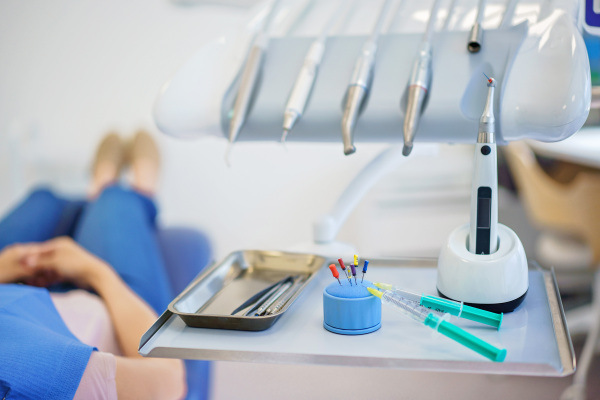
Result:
{"points": [[483, 235], [419, 83], [360, 81], [300, 94], [437, 322], [476, 35], [458, 309]]}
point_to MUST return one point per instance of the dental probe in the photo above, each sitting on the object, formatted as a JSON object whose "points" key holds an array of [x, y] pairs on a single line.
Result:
{"points": [[345, 270], [286, 297], [307, 76], [364, 270], [418, 85], [483, 238], [335, 274], [476, 35], [361, 80]]}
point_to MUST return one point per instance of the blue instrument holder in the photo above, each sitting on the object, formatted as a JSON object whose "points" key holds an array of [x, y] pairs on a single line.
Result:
{"points": [[351, 309]]}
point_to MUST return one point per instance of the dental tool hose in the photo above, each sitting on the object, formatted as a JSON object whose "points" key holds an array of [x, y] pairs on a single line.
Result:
{"points": [[419, 83], [307, 76], [361, 80], [483, 237]]}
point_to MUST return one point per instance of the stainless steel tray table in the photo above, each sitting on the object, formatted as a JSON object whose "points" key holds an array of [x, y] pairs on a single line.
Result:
{"points": [[535, 335]]}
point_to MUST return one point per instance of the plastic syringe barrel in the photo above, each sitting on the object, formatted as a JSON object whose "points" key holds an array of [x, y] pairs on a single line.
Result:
{"points": [[465, 338], [467, 312]]}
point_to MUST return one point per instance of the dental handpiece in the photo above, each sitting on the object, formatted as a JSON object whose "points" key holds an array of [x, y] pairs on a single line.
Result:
{"points": [[483, 237], [420, 80], [300, 94], [360, 82], [476, 35], [248, 83], [419, 84], [302, 89]]}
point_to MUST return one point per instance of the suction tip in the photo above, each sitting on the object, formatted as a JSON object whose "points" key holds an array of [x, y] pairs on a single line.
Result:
{"points": [[475, 39], [284, 135], [406, 149], [473, 47]]}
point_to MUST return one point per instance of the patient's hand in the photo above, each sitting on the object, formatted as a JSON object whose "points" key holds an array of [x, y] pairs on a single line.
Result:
{"points": [[62, 259], [12, 267]]}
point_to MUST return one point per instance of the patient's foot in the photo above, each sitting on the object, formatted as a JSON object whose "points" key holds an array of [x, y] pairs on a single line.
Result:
{"points": [[145, 163], [107, 165]]}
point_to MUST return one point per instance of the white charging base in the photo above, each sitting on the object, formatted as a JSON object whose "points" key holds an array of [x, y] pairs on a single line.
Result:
{"points": [[495, 282]]}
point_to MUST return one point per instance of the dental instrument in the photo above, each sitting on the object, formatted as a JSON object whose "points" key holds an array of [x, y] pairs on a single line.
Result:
{"points": [[483, 238], [300, 94], [259, 298], [287, 296], [353, 267], [335, 273], [364, 270], [458, 309], [267, 303], [361, 80], [345, 270], [419, 83], [425, 316], [476, 35], [353, 272], [250, 75]]}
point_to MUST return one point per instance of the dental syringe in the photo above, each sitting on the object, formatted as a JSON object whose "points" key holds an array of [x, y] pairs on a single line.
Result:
{"points": [[458, 309], [429, 318]]}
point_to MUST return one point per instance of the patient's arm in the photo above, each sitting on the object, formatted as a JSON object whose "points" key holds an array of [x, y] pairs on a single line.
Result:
{"points": [[136, 377]]}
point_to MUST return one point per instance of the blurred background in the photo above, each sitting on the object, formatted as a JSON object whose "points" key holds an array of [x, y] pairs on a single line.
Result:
{"points": [[73, 70]]}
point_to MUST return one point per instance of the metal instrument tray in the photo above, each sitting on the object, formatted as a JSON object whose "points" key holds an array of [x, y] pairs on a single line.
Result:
{"points": [[209, 300]]}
